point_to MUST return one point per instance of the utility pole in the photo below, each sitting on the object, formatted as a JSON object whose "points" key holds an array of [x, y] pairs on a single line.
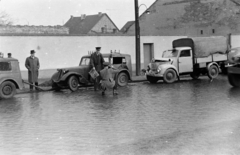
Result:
{"points": [[137, 39]]}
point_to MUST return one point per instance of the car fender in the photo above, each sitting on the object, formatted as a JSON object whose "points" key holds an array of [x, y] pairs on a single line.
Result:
{"points": [[212, 63], [19, 85], [66, 75], [165, 67], [126, 71]]}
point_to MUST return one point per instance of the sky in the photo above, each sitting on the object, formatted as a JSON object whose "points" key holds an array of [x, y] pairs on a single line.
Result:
{"points": [[58, 12]]}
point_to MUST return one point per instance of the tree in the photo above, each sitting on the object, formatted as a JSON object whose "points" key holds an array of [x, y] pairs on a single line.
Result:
{"points": [[5, 19]]}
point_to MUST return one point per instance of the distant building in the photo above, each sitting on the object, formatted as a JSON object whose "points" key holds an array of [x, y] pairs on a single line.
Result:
{"points": [[125, 28], [189, 18], [33, 30], [91, 24]]}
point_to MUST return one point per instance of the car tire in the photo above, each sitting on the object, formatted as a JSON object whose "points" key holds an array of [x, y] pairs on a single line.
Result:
{"points": [[122, 79], [213, 72], [73, 83], [7, 90], [234, 79], [152, 79], [169, 76]]}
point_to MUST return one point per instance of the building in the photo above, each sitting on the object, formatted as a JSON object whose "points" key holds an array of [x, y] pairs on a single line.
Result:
{"points": [[91, 24], [190, 18]]}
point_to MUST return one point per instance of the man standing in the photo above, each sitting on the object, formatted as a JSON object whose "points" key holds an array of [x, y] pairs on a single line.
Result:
{"points": [[97, 64], [32, 64], [9, 55]]}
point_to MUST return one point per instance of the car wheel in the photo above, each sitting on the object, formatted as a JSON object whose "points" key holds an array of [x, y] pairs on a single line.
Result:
{"points": [[152, 79], [234, 79], [169, 76], [7, 90], [122, 79], [195, 75], [213, 71], [73, 83]]}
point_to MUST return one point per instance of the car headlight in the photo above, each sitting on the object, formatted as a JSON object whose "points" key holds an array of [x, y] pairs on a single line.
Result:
{"points": [[65, 71], [159, 70]]}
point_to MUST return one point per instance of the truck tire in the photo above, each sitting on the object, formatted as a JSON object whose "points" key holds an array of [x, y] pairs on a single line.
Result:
{"points": [[213, 72], [152, 79], [169, 76], [122, 79], [195, 75], [234, 79], [73, 83], [7, 90]]}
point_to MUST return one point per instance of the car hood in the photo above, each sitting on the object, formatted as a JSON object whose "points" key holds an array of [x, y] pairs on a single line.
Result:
{"points": [[73, 68]]}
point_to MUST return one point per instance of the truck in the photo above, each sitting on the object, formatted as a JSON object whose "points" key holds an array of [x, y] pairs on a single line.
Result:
{"points": [[234, 67], [194, 56]]}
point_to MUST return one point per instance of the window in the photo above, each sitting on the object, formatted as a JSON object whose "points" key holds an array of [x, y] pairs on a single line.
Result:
{"points": [[201, 31], [119, 60], [213, 30], [85, 61], [185, 53], [5, 66]]}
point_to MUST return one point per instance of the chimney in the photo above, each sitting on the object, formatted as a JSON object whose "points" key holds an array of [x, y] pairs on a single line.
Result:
{"points": [[83, 16], [71, 16], [99, 13]]}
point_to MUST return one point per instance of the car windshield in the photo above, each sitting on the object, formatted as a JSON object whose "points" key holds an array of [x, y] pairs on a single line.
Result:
{"points": [[85, 61], [170, 53]]}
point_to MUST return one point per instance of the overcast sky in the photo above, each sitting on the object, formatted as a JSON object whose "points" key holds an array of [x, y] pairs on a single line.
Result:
{"points": [[57, 12]]}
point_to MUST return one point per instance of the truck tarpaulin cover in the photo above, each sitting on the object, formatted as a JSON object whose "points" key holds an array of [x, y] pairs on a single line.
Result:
{"points": [[204, 46]]}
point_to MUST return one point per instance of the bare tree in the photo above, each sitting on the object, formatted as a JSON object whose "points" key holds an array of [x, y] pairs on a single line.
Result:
{"points": [[5, 19]]}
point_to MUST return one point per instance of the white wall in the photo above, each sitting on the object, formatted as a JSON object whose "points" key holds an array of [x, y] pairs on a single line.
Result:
{"points": [[235, 40], [66, 51]]}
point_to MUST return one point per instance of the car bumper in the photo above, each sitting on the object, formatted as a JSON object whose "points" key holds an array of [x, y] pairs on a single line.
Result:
{"points": [[154, 74]]}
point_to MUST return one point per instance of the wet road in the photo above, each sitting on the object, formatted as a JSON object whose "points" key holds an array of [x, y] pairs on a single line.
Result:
{"points": [[187, 117]]}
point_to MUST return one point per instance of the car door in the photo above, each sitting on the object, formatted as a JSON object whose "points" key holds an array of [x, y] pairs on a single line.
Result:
{"points": [[185, 61]]}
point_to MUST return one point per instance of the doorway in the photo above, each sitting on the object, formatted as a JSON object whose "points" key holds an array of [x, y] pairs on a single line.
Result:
{"points": [[148, 53]]}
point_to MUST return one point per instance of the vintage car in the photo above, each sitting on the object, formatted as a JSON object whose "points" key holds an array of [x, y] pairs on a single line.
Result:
{"points": [[10, 77], [74, 77]]}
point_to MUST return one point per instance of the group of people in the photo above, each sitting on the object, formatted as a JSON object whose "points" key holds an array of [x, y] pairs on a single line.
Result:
{"points": [[2, 55], [105, 70]]}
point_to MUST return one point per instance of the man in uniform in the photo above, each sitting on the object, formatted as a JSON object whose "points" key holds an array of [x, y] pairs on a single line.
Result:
{"points": [[107, 81], [97, 64], [33, 65]]}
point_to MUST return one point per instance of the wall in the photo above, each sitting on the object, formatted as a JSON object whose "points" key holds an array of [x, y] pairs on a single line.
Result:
{"points": [[18, 29], [66, 51], [235, 41]]}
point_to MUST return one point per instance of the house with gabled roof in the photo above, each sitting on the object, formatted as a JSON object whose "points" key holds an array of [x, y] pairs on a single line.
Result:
{"points": [[125, 27], [189, 18], [91, 24]]}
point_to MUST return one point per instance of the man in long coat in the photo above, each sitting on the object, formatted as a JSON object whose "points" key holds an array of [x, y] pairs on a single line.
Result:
{"points": [[97, 64], [33, 65], [107, 81]]}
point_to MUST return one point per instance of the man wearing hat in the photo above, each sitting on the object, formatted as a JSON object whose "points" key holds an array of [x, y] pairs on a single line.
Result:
{"points": [[107, 81], [97, 64], [9, 55], [33, 65]]}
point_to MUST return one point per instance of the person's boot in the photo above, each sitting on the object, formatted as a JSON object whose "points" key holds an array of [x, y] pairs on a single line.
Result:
{"points": [[36, 88]]}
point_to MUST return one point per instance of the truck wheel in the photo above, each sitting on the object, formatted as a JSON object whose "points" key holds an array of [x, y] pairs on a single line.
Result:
{"points": [[169, 76], [122, 79], [195, 75], [213, 71], [7, 90], [73, 83], [152, 79], [234, 79]]}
